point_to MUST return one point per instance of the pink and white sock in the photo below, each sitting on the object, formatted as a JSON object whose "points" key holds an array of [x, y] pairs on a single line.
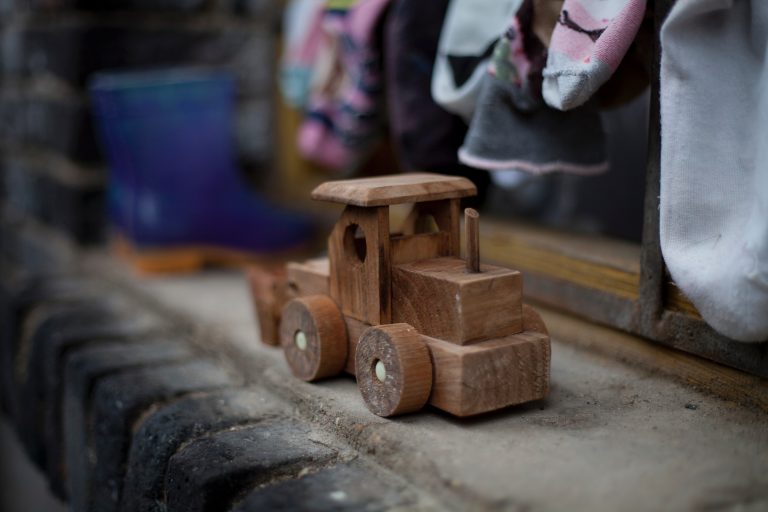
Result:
{"points": [[588, 43]]}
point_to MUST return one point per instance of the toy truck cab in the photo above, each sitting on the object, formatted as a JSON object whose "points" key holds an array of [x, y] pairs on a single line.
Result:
{"points": [[404, 313]]}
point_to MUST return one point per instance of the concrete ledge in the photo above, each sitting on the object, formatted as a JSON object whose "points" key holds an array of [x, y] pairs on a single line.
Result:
{"points": [[601, 440], [166, 400]]}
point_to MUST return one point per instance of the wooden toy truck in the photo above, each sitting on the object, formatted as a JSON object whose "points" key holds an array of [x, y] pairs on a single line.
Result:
{"points": [[401, 311]]}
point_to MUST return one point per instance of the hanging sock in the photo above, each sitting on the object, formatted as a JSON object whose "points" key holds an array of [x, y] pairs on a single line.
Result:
{"points": [[469, 34], [425, 135], [714, 160], [344, 119], [588, 43], [513, 129], [302, 34], [540, 141]]}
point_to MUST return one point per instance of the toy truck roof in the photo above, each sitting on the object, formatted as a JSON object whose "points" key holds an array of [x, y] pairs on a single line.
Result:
{"points": [[401, 188]]}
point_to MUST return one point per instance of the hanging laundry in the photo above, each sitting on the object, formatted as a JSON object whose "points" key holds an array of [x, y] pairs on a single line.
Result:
{"points": [[469, 34], [714, 160], [588, 42], [426, 136], [302, 34], [633, 76], [545, 16], [344, 118], [630, 79], [512, 127]]}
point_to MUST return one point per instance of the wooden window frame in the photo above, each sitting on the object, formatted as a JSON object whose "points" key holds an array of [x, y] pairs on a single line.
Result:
{"points": [[640, 299]]}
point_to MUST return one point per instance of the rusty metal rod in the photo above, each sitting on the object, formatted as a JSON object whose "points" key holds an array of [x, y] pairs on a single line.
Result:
{"points": [[472, 232]]}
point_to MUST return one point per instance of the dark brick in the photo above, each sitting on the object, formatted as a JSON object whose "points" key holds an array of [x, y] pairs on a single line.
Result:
{"points": [[7, 6], [263, 9], [18, 298], [83, 368], [162, 433], [74, 52], [78, 210], [60, 124], [23, 190], [71, 204], [33, 245], [53, 332], [346, 487], [141, 5], [85, 364], [210, 472], [159, 6], [176, 6], [117, 403], [28, 51]]}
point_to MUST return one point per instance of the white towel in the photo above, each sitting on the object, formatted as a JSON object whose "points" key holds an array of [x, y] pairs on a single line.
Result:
{"points": [[714, 160]]}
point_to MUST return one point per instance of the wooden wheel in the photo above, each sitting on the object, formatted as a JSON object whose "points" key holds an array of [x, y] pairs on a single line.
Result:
{"points": [[394, 369], [532, 321], [314, 337]]}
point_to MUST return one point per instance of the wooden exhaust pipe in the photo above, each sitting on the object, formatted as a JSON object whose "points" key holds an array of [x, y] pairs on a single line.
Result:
{"points": [[472, 232]]}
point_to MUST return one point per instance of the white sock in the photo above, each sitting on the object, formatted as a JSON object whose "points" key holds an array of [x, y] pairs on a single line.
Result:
{"points": [[469, 32], [714, 160]]}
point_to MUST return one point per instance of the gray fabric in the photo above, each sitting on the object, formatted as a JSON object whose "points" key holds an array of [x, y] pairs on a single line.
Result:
{"points": [[540, 140]]}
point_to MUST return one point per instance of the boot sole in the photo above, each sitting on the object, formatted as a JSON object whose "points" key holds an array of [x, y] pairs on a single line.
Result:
{"points": [[183, 259]]}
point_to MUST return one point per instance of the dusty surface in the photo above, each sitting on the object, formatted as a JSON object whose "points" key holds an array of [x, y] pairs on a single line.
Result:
{"points": [[609, 437]]}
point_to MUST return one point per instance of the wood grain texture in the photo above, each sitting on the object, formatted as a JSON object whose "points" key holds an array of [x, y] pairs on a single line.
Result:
{"points": [[355, 330], [489, 375], [472, 230], [594, 262], [269, 293], [440, 299], [309, 277], [415, 243], [445, 214], [362, 288], [532, 321], [319, 319], [405, 249], [395, 189], [676, 300], [408, 366]]}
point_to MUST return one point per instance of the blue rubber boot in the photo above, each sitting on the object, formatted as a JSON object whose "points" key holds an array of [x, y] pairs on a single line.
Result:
{"points": [[173, 179]]}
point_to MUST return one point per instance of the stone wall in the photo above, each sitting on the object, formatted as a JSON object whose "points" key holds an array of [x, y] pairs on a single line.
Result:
{"points": [[51, 168]]}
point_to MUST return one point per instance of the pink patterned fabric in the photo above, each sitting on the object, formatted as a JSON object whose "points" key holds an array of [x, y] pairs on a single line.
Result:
{"points": [[588, 42], [615, 41], [345, 114], [575, 45]]}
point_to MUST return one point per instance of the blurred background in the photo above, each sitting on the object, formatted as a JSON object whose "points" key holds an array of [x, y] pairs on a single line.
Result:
{"points": [[150, 126], [69, 148], [53, 170]]}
